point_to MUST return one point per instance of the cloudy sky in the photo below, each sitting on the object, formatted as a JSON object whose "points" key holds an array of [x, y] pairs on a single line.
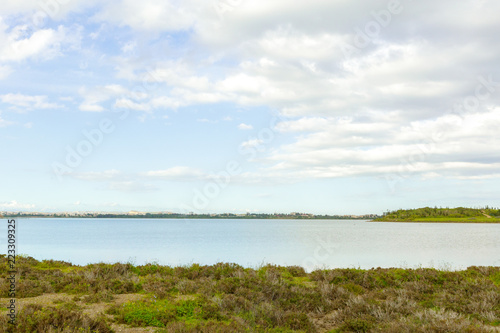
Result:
{"points": [[235, 105]]}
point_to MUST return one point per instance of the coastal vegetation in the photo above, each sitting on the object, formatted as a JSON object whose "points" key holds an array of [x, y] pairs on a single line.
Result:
{"points": [[428, 214], [55, 296]]}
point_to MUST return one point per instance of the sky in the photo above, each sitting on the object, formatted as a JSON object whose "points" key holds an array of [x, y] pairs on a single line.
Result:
{"points": [[325, 107]]}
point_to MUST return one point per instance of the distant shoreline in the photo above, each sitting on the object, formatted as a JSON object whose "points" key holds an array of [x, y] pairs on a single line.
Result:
{"points": [[456, 221], [189, 217]]}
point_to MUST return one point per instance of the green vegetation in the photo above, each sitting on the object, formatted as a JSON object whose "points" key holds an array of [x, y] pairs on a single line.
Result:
{"points": [[230, 298], [459, 214], [63, 318]]}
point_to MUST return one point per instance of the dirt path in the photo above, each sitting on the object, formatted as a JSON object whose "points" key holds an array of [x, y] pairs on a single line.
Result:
{"points": [[485, 214]]}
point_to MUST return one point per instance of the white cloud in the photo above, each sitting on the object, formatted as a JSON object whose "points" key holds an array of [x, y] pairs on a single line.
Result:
{"points": [[37, 10], [243, 83], [19, 6], [90, 107], [179, 74], [14, 205], [288, 43], [449, 146], [357, 115], [129, 47], [98, 175], [4, 123], [24, 102], [165, 102], [252, 143], [126, 103], [150, 15], [245, 127], [20, 44], [5, 71], [176, 173], [93, 97]]}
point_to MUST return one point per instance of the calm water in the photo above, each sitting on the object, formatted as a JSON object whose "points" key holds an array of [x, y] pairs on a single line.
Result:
{"points": [[317, 243]]}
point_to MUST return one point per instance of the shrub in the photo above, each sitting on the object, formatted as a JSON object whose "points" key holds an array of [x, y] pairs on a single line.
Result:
{"points": [[35, 318]]}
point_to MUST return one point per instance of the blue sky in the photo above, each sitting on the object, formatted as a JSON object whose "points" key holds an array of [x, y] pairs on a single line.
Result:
{"points": [[328, 107]]}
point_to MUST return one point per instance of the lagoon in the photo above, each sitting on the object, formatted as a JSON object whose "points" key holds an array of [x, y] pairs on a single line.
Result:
{"points": [[250, 243]]}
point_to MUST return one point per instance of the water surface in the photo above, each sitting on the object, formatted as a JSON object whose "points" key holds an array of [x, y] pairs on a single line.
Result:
{"points": [[250, 243]]}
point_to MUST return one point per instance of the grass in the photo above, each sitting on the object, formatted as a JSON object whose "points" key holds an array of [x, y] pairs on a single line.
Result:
{"points": [[230, 298]]}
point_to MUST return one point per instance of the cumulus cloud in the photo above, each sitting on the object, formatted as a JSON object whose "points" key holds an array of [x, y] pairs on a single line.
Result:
{"points": [[245, 127], [93, 97], [448, 146], [24, 102], [252, 143], [150, 15], [364, 113], [125, 103], [36, 11], [355, 101], [14, 205], [21, 42]]}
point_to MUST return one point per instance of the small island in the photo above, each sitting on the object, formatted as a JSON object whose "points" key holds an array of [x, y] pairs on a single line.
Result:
{"points": [[428, 214]]}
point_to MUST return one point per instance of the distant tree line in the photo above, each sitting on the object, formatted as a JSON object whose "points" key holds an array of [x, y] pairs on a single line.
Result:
{"points": [[195, 216], [459, 212]]}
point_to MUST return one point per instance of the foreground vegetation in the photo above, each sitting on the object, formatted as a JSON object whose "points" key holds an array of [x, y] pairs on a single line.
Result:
{"points": [[230, 298], [428, 214]]}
